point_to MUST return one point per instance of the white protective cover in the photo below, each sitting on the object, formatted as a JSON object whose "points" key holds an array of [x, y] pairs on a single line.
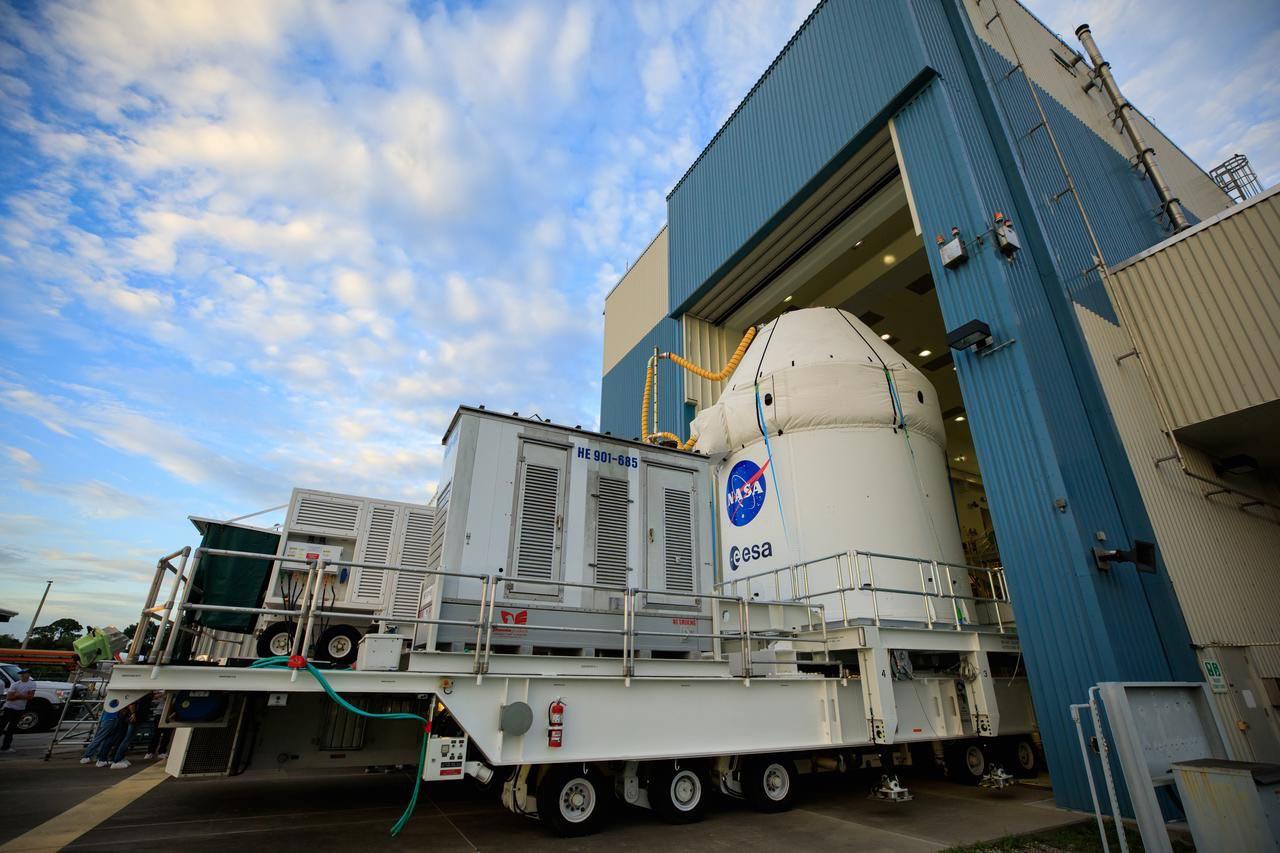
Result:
{"points": [[822, 367]]}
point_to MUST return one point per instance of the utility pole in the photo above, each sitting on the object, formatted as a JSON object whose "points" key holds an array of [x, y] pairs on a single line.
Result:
{"points": [[36, 618]]}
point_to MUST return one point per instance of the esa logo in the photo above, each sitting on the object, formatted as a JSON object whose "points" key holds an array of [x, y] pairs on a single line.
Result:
{"points": [[747, 553], [744, 492]]}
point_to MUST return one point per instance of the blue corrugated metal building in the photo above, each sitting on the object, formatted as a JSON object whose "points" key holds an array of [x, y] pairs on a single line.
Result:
{"points": [[949, 88]]}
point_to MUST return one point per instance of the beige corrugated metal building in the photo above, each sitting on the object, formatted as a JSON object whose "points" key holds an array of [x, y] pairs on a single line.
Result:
{"points": [[1203, 309]]}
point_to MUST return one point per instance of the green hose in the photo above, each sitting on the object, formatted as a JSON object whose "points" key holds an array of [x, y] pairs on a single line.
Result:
{"points": [[281, 662]]}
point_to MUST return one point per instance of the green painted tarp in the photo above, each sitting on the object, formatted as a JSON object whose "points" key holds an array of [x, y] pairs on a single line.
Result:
{"points": [[233, 581]]}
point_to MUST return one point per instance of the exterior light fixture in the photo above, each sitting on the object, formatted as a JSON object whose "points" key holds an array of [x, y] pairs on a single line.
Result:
{"points": [[788, 299], [925, 353], [959, 458], [889, 260], [857, 244], [974, 333], [885, 336], [959, 418]]}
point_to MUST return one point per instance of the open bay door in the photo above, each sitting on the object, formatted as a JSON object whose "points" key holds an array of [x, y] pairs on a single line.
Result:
{"points": [[537, 546], [671, 555]]}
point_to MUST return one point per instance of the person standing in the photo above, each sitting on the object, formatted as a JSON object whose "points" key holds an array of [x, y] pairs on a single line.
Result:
{"points": [[103, 739], [15, 702]]}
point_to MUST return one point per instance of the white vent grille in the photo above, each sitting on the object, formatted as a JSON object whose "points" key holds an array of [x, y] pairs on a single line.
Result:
{"points": [[438, 524], [536, 543], [329, 516], [416, 550], [677, 528], [612, 508], [377, 549], [408, 596]]}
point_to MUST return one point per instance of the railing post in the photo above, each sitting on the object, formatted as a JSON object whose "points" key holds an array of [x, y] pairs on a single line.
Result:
{"points": [[744, 608], [484, 599], [316, 595], [628, 635], [296, 645], [488, 631], [844, 589], [951, 590], [924, 594], [875, 601], [173, 615]]}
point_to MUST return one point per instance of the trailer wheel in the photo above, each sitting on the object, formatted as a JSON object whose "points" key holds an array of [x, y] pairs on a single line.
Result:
{"points": [[339, 645], [571, 800], [1023, 758], [276, 640], [677, 794], [769, 783], [967, 763]]}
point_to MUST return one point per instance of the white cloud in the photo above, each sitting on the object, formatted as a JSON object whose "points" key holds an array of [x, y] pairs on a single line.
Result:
{"points": [[22, 459]]}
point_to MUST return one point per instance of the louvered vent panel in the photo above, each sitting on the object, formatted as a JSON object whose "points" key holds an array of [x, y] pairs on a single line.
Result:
{"points": [[536, 545], [611, 533], [327, 515], [438, 524], [408, 597], [377, 549], [416, 551], [678, 534]]}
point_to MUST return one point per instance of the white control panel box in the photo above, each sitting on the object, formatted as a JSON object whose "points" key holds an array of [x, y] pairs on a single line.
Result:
{"points": [[380, 652], [446, 758]]}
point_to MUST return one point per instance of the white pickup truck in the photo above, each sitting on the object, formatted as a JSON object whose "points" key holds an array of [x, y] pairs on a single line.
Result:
{"points": [[42, 711]]}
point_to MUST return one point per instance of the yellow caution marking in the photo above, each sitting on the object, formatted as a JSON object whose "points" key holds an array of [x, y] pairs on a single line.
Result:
{"points": [[58, 832]]}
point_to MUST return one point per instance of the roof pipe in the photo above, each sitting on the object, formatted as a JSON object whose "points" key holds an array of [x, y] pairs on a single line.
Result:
{"points": [[1146, 155]]}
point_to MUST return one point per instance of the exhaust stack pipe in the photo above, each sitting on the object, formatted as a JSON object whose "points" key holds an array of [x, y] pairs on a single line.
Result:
{"points": [[1147, 156]]}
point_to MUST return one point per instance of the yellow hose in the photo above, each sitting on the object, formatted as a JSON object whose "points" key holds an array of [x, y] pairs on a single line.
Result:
{"points": [[729, 367], [652, 366]]}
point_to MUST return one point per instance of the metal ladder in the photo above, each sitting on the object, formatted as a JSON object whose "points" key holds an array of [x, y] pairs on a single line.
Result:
{"points": [[82, 710]]}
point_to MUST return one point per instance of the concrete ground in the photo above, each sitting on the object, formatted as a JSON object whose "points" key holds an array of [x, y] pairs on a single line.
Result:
{"points": [[63, 805]]}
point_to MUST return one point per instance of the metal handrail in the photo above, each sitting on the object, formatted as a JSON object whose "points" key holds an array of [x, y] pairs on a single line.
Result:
{"points": [[312, 603]]}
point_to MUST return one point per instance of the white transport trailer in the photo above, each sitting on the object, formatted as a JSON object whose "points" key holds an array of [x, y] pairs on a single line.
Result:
{"points": [[605, 617]]}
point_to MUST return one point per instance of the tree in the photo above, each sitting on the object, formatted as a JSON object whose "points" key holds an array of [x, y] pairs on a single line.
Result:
{"points": [[59, 634], [8, 641]]}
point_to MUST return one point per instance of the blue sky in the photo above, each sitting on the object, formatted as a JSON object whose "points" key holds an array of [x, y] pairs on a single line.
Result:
{"points": [[246, 246]]}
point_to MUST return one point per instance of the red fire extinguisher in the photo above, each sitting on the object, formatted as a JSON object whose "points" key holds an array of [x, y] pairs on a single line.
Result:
{"points": [[555, 724]]}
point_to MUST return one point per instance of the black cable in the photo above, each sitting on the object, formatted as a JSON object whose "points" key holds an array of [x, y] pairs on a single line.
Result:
{"points": [[887, 381], [760, 369]]}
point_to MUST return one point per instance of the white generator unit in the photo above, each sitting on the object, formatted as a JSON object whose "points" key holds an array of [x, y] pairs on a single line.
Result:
{"points": [[831, 441], [356, 529], [565, 521]]}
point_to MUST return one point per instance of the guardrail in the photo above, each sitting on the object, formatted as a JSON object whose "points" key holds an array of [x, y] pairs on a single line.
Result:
{"points": [[855, 574], [170, 614]]}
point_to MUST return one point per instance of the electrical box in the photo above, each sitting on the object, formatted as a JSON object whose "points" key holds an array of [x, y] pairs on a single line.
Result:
{"points": [[1230, 805], [380, 652], [446, 758], [1007, 238], [564, 522], [953, 253]]}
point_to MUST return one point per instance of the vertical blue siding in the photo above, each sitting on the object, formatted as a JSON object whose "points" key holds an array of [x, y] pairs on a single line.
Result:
{"points": [[1034, 407], [622, 388], [831, 82]]}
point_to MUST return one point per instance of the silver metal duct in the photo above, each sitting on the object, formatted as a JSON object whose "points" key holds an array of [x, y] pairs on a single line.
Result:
{"points": [[1147, 156]]}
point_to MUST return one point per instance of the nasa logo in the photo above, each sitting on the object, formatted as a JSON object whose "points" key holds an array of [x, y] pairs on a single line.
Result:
{"points": [[747, 553], [744, 492]]}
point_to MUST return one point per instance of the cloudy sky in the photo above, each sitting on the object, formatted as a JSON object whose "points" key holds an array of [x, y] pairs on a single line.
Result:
{"points": [[248, 245]]}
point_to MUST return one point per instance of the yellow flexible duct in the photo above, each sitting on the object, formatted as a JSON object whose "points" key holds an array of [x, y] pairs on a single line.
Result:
{"points": [[652, 366], [729, 366]]}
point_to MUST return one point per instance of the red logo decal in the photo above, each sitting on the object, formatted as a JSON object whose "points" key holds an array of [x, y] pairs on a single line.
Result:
{"points": [[509, 618]]}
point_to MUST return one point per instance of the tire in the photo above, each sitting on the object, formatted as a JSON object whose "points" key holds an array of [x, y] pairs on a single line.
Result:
{"points": [[677, 794], [769, 783], [36, 718], [967, 762], [571, 800], [339, 645], [1021, 757], [276, 640]]}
